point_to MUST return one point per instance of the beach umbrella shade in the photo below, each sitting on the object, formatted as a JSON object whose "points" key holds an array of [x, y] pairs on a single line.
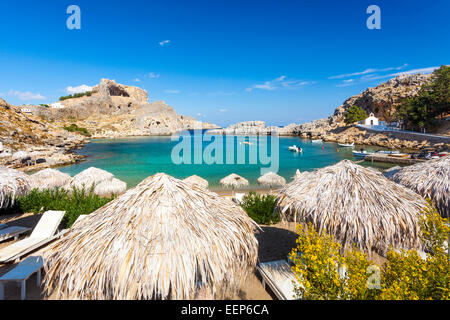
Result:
{"points": [[355, 205], [198, 181], [49, 179], [271, 179], [108, 188], [13, 183], [160, 240], [89, 178], [431, 179], [234, 181], [19, 155]]}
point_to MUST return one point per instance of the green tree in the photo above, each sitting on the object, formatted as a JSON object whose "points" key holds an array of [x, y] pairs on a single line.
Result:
{"points": [[355, 114]]}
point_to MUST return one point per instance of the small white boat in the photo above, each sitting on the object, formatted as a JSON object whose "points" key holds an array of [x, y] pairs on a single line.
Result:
{"points": [[294, 148], [317, 141], [389, 152], [346, 145], [361, 154]]}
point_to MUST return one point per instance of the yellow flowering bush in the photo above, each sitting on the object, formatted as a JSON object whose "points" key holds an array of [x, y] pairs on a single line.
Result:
{"points": [[323, 273]]}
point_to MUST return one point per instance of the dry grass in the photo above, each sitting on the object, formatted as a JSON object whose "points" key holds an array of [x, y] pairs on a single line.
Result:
{"points": [[157, 241], [49, 179], [13, 183], [430, 179], [355, 205]]}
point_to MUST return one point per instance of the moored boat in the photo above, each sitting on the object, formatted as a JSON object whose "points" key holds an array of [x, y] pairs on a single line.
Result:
{"points": [[294, 148], [361, 153], [345, 145], [317, 141]]}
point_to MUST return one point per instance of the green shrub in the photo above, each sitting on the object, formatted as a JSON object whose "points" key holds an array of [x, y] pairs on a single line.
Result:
{"points": [[76, 95], [355, 114], [74, 203], [74, 128], [261, 208], [405, 275]]}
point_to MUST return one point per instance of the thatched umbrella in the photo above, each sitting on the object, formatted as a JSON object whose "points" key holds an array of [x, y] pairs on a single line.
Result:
{"points": [[355, 205], [49, 179], [235, 181], [198, 181], [159, 240], [90, 177], [13, 183], [108, 188], [271, 179], [430, 179]]}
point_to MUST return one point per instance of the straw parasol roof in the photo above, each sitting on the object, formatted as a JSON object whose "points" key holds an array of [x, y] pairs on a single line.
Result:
{"points": [[13, 183], [235, 181], [49, 179], [430, 179], [271, 179], [356, 206], [90, 177], [198, 181], [159, 240], [108, 188]]}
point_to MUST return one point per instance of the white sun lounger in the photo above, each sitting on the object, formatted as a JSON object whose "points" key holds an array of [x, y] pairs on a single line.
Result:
{"points": [[21, 273], [7, 233], [280, 278], [43, 233], [239, 197]]}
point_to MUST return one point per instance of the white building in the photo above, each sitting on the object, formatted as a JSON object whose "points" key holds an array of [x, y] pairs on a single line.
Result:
{"points": [[57, 105], [371, 120], [26, 110]]}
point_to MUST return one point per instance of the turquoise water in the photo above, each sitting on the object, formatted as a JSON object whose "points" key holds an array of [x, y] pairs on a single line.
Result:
{"points": [[134, 159]]}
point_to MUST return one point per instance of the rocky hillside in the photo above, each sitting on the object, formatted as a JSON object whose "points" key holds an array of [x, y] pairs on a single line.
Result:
{"points": [[25, 137], [383, 99], [116, 110]]}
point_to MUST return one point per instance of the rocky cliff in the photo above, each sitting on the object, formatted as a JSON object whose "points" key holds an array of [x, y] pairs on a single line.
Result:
{"points": [[116, 110], [25, 137]]}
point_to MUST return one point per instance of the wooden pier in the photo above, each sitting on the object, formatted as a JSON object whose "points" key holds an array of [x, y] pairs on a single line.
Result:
{"points": [[391, 159]]}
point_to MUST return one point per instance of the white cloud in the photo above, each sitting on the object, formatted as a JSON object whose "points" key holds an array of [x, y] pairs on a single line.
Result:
{"points": [[26, 96], [163, 43], [221, 93], [172, 91], [278, 83], [79, 89], [137, 80], [223, 110], [201, 115], [367, 71], [393, 75], [152, 75]]}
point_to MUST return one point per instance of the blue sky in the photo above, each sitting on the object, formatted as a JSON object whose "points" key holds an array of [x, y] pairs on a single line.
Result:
{"points": [[220, 61]]}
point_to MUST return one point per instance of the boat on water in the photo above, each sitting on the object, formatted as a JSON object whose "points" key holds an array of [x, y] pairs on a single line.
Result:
{"points": [[389, 152], [296, 149], [317, 141], [346, 145], [246, 142], [361, 153]]}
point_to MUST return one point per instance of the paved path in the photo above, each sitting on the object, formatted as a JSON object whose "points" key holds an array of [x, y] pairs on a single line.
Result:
{"points": [[404, 131]]}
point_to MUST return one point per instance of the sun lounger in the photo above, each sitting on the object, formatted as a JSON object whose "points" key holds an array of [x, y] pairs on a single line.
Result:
{"points": [[7, 233], [21, 273], [43, 233], [239, 197], [280, 278], [2, 226]]}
